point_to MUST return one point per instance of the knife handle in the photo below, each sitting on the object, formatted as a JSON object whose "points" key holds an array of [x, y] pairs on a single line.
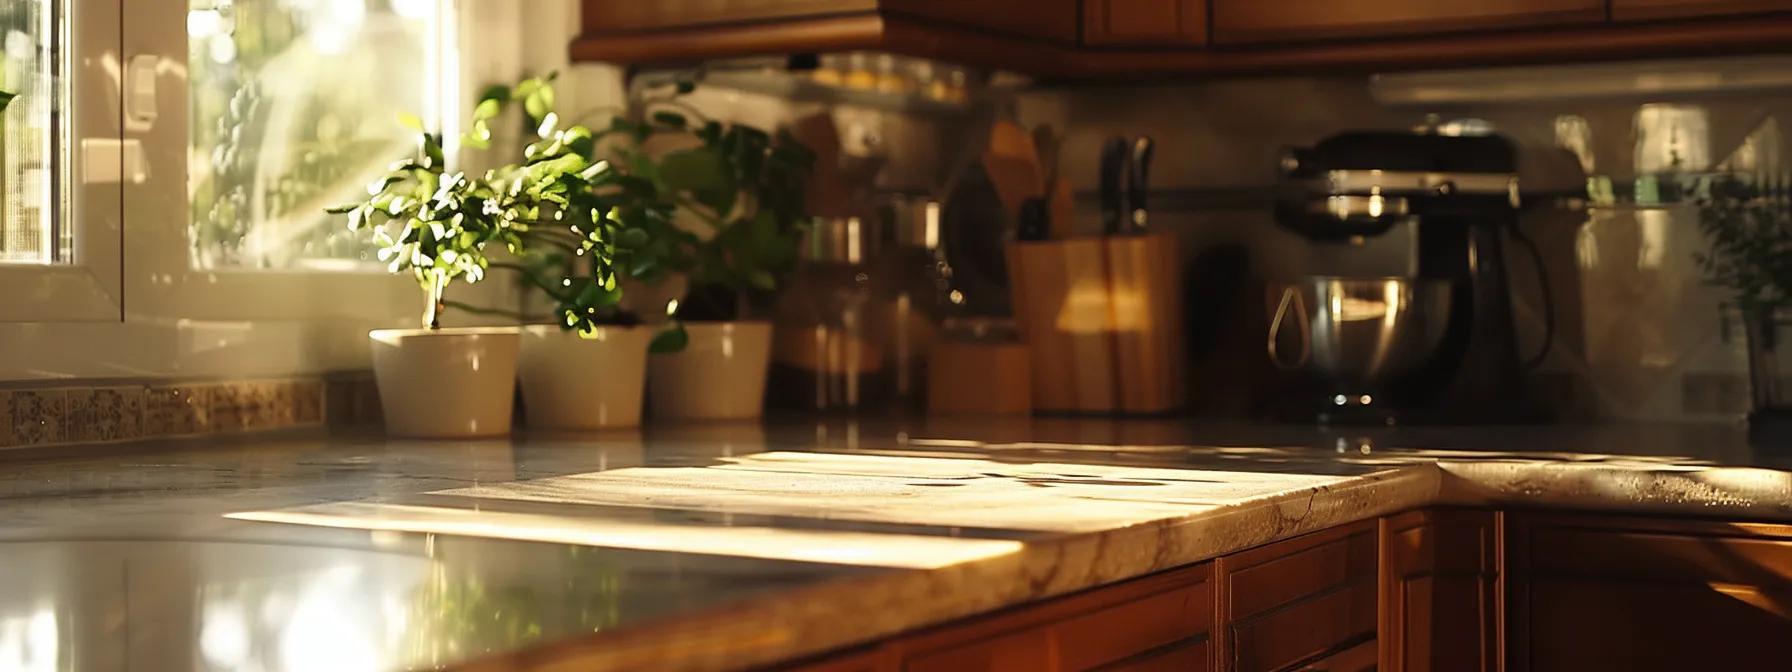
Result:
{"points": [[1138, 182]]}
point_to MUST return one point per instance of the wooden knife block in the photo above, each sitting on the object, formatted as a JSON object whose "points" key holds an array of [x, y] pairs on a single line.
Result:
{"points": [[1102, 319]]}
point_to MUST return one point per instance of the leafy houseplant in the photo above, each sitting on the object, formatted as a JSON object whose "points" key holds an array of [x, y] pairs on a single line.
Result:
{"points": [[1750, 234], [436, 225], [740, 190]]}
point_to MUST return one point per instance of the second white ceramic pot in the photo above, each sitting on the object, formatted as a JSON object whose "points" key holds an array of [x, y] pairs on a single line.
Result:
{"points": [[720, 375], [572, 382], [446, 383]]}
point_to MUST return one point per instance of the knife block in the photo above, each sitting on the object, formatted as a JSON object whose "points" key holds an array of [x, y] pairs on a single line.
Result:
{"points": [[1102, 319]]}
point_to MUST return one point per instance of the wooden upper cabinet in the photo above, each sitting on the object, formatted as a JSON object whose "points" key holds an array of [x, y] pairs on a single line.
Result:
{"points": [[1258, 21], [627, 15], [1144, 22], [1630, 10], [1021, 35]]}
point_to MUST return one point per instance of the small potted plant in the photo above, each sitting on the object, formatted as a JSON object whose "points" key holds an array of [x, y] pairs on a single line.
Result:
{"points": [[1749, 229], [587, 369], [742, 191], [436, 225]]}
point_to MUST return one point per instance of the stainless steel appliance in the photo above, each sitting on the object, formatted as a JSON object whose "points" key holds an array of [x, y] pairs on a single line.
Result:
{"points": [[1435, 344]]}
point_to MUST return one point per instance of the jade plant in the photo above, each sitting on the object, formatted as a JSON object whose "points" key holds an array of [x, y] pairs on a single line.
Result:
{"points": [[436, 224]]}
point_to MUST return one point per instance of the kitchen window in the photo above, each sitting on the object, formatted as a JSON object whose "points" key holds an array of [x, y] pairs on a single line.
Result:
{"points": [[59, 162], [291, 111]]}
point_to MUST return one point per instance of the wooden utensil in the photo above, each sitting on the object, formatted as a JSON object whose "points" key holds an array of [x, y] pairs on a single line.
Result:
{"points": [[1012, 163]]}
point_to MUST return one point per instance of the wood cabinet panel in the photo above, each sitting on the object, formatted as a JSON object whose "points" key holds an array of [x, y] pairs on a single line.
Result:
{"points": [[1616, 593], [1189, 657], [1054, 20], [1630, 10], [1081, 632], [615, 15], [1440, 602], [1248, 21], [1144, 22], [1359, 658], [1298, 600]]}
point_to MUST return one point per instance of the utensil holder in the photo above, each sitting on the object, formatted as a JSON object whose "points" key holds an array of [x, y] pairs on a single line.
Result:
{"points": [[1102, 319]]}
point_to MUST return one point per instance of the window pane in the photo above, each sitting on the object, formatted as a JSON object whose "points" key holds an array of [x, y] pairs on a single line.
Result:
{"points": [[295, 107], [32, 177]]}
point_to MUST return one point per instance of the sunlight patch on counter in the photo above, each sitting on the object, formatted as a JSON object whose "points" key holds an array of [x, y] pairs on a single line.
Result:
{"points": [[805, 545]]}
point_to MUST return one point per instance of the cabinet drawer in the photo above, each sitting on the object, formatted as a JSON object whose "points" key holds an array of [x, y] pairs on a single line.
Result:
{"points": [[1299, 600], [1190, 657], [1248, 21], [1105, 626]]}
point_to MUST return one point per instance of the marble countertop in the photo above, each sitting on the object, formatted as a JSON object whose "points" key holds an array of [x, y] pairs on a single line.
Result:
{"points": [[725, 546]]}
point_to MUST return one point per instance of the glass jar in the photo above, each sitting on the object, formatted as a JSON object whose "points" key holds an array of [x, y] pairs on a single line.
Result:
{"points": [[828, 350], [1768, 336]]}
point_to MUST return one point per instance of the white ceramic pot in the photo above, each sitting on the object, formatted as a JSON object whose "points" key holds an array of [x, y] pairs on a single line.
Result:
{"points": [[446, 383], [571, 382], [720, 375]]}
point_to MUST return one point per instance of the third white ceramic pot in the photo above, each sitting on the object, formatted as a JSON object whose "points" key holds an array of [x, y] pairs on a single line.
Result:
{"points": [[573, 382], [446, 383], [720, 375]]}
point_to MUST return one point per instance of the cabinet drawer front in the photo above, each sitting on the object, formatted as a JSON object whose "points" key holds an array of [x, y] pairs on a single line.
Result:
{"points": [[1115, 633], [1256, 585], [1304, 630], [1025, 650], [1246, 21], [1190, 657], [1649, 555]]}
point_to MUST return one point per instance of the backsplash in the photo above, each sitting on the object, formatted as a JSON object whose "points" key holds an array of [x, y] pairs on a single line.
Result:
{"points": [[45, 416], [1639, 336]]}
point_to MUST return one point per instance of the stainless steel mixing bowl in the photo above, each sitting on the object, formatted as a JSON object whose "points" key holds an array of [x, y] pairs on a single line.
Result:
{"points": [[1360, 333]]}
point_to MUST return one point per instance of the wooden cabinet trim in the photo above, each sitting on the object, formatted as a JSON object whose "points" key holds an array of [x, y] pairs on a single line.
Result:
{"points": [[1132, 23], [1273, 21], [1644, 10]]}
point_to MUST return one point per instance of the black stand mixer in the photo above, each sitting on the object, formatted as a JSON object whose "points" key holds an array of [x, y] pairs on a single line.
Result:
{"points": [[1434, 344]]}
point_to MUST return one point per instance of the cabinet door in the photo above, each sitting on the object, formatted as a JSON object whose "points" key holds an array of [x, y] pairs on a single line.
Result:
{"points": [[1298, 601], [1247, 21], [1440, 591], [1615, 593], [1144, 22], [1627, 10]]}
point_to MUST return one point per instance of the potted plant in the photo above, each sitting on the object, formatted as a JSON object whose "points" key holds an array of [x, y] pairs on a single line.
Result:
{"points": [[738, 193], [1749, 230], [435, 225], [587, 368]]}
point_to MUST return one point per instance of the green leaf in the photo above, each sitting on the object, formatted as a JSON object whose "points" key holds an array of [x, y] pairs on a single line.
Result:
{"points": [[666, 118], [633, 238], [411, 121], [488, 109], [672, 339], [694, 170]]}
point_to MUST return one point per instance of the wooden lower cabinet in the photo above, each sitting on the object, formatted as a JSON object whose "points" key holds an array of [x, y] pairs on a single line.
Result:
{"points": [[1291, 603], [1626, 593], [1441, 591]]}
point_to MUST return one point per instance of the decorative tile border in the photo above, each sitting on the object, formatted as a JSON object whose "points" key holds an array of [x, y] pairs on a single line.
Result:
{"points": [[65, 415]]}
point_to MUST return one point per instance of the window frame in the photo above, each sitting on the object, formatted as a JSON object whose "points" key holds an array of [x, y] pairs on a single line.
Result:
{"points": [[89, 288]]}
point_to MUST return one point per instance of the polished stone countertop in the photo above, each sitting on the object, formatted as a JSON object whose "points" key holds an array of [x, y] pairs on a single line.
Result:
{"points": [[725, 546]]}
